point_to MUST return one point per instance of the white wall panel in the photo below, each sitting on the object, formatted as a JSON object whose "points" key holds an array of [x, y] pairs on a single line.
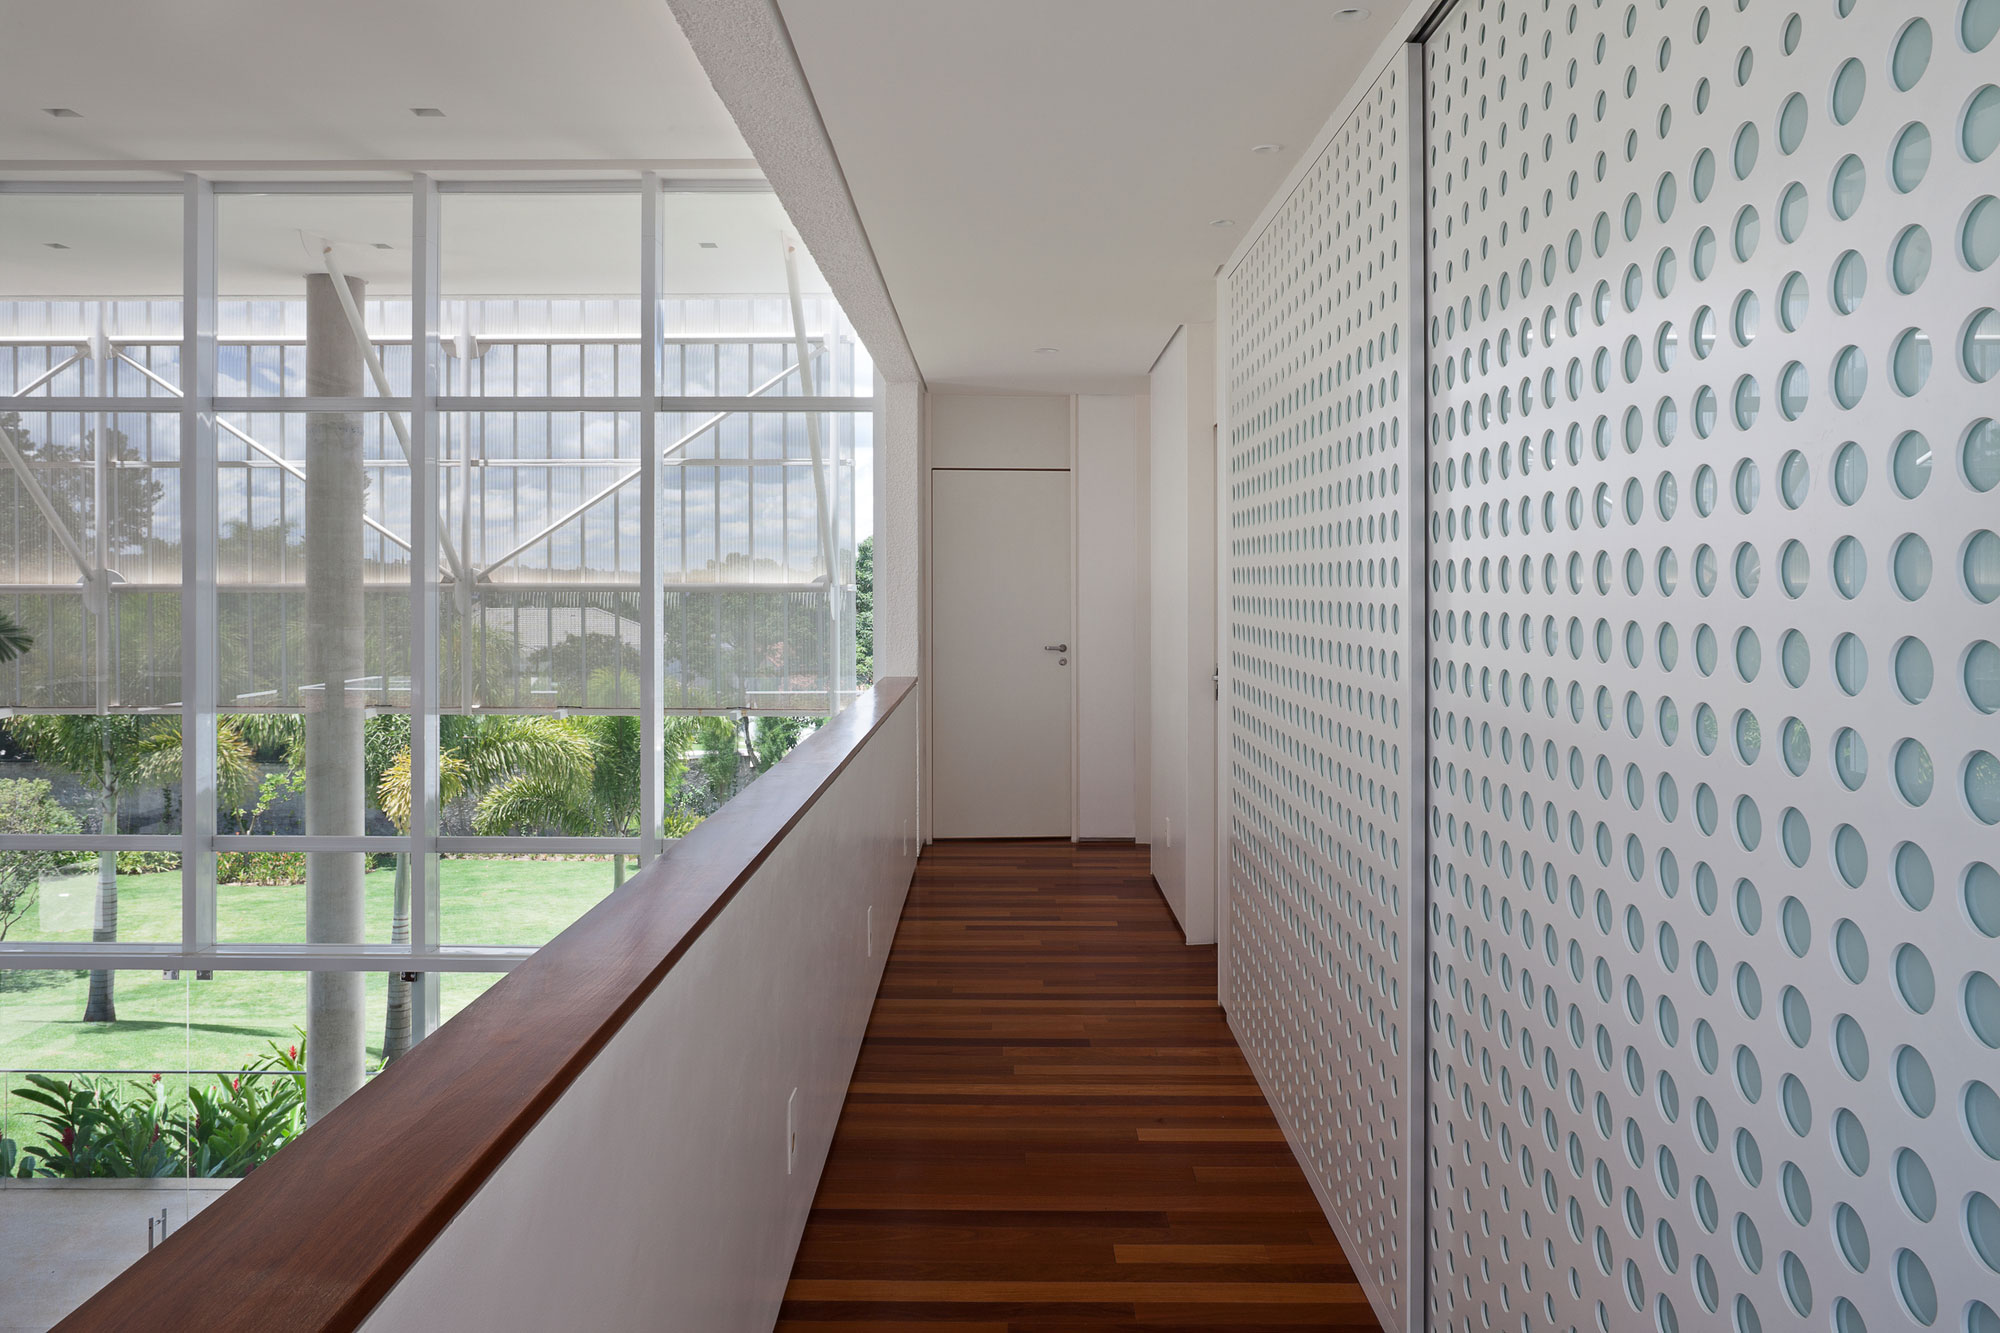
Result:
{"points": [[1323, 926], [661, 1173], [1181, 510], [999, 430], [1712, 787], [1111, 613]]}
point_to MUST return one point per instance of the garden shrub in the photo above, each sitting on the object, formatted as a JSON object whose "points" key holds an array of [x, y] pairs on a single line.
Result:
{"points": [[26, 806], [92, 1129]]}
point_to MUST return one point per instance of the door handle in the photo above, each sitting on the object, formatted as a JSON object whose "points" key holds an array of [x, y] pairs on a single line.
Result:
{"points": [[1055, 647]]}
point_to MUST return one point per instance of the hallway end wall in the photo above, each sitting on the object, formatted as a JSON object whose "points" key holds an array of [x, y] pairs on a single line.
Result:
{"points": [[1181, 713]]}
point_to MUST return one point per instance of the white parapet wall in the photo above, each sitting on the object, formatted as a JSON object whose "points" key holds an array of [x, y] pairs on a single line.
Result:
{"points": [[662, 1190]]}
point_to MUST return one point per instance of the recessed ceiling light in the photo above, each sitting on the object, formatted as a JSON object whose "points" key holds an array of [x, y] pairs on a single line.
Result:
{"points": [[383, 245], [1351, 14], [706, 245], [62, 112], [55, 245], [1047, 351], [429, 112], [1267, 148], [1223, 222]]}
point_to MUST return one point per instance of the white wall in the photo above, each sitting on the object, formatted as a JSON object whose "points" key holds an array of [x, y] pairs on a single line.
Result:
{"points": [[661, 1172], [999, 430], [1181, 478], [1100, 439], [900, 488], [1111, 614], [902, 491]]}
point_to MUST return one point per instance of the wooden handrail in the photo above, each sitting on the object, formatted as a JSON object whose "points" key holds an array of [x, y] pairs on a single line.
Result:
{"points": [[316, 1237]]}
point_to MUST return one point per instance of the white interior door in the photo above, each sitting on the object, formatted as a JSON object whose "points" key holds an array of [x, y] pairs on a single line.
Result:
{"points": [[1001, 635]]}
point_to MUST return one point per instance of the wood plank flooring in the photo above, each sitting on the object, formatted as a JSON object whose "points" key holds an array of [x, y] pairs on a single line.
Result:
{"points": [[1050, 1127]]}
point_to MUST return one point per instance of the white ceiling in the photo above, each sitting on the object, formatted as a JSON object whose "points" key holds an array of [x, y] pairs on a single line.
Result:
{"points": [[1044, 173], [225, 80], [124, 245], [554, 89]]}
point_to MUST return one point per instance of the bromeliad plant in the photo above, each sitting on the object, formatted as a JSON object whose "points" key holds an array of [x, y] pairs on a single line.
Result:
{"points": [[91, 1130], [237, 1128], [15, 1164]]}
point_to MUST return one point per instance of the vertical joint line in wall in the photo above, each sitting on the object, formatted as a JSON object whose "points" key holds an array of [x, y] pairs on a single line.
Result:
{"points": [[1075, 623], [1429, 24], [1418, 102]]}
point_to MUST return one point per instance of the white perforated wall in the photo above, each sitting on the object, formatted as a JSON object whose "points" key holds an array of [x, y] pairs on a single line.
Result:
{"points": [[1713, 1017], [1693, 773], [1324, 683]]}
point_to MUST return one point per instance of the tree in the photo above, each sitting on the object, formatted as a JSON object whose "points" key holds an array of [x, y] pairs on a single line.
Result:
{"points": [[864, 613], [14, 640], [110, 754], [72, 489], [718, 736], [474, 755], [607, 804], [27, 807], [777, 735]]}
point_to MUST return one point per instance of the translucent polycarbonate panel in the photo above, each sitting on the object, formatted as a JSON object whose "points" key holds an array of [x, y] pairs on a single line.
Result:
{"points": [[539, 294], [725, 308], [744, 552], [95, 484], [269, 553], [542, 497], [533, 648], [545, 508], [276, 256], [1324, 834], [1714, 1017], [741, 495], [90, 558], [90, 295], [768, 649]]}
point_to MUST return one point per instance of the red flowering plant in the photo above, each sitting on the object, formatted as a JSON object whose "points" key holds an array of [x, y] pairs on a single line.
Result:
{"points": [[102, 1129], [235, 1129]]}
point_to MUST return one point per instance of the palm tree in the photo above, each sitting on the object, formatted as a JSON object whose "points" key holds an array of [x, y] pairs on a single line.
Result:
{"points": [[607, 804], [14, 640], [724, 739], [475, 755], [111, 753]]}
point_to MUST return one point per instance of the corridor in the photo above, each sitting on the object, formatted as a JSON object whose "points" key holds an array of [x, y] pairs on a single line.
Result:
{"points": [[1051, 1127]]}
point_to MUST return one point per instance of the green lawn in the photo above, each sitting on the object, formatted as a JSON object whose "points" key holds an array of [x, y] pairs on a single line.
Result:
{"points": [[223, 1023]]}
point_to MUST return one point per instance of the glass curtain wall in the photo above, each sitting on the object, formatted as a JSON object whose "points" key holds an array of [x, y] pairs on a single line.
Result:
{"points": [[522, 528]]}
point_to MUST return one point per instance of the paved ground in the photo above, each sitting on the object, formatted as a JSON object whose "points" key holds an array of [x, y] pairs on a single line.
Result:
{"points": [[62, 1240]]}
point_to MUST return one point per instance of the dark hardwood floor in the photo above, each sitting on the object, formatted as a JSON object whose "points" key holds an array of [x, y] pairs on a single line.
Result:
{"points": [[1051, 1128]]}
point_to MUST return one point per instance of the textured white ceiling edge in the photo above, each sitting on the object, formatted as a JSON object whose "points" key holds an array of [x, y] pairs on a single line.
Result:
{"points": [[744, 46], [1413, 18]]}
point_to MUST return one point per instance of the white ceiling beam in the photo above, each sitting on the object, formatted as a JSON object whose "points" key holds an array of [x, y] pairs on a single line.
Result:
{"points": [[747, 52]]}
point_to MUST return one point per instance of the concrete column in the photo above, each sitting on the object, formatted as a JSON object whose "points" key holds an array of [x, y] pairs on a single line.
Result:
{"points": [[336, 486]]}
